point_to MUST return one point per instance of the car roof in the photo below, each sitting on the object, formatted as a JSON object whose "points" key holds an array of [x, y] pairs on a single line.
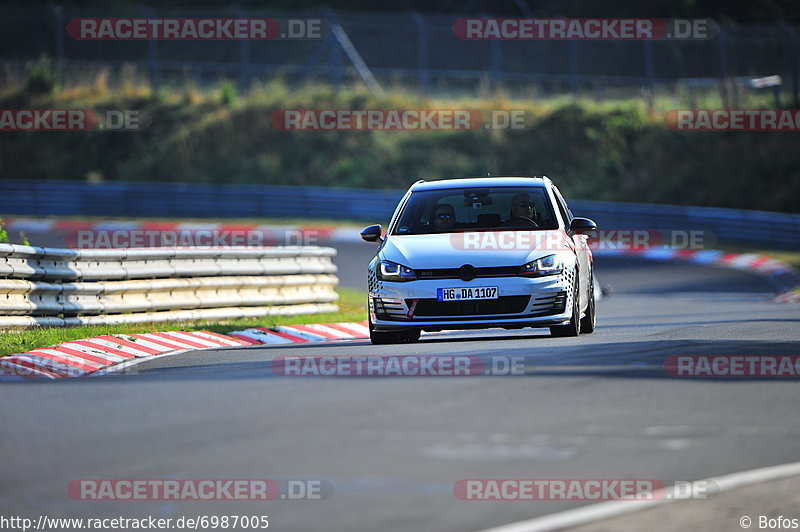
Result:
{"points": [[494, 181]]}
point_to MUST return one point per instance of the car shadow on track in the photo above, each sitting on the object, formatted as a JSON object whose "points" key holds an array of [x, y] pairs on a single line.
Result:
{"points": [[650, 359]]}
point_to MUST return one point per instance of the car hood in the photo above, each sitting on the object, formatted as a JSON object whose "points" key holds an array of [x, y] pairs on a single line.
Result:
{"points": [[480, 249]]}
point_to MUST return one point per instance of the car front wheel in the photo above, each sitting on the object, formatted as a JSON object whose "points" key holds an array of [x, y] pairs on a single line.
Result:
{"points": [[590, 320], [573, 328], [392, 337]]}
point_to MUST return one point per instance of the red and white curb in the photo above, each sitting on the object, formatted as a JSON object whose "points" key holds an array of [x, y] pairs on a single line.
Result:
{"points": [[313, 332], [111, 353], [79, 358], [781, 273], [789, 297]]}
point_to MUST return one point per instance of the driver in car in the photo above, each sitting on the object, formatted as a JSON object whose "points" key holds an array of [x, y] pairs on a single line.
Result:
{"points": [[444, 217], [522, 212]]}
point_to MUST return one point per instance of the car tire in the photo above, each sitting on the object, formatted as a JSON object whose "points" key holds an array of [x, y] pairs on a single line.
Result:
{"points": [[589, 321], [573, 328], [392, 337]]}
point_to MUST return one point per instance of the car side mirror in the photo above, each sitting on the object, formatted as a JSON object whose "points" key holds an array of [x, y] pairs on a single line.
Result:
{"points": [[582, 226], [372, 234]]}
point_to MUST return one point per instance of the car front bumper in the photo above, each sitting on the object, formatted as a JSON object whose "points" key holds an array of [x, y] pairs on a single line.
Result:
{"points": [[522, 302]]}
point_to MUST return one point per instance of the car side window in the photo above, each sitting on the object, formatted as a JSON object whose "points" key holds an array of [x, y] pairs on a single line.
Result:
{"points": [[566, 214]]}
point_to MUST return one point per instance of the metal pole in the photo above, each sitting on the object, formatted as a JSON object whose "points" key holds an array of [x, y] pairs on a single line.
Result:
{"points": [[723, 69], [794, 61], [423, 75], [152, 51], [649, 63], [497, 60], [355, 58], [245, 71], [334, 56], [58, 12], [649, 73], [574, 76], [335, 59]]}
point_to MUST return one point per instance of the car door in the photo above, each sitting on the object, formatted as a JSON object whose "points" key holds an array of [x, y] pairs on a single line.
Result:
{"points": [[581, 246]]}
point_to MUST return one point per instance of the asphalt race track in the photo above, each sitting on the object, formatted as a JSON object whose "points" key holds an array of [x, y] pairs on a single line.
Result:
{"points": [[596, 406]]}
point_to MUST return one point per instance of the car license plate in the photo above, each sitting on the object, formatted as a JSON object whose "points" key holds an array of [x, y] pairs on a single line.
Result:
{"points": [[461, 294]]}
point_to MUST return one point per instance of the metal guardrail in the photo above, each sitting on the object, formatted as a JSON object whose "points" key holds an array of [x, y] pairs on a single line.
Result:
{"points": [[57, 287], [192, 200], [173, 200], [759, 228], [50, 264]]}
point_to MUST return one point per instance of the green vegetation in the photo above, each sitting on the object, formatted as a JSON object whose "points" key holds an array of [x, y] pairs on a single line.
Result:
{"points": [[611, 151], [352, 307], [5, 239], [227, 94], [41, 77]]}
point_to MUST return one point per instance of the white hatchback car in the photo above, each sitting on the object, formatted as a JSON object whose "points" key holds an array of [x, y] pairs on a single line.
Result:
{"points": [[476, 253]]}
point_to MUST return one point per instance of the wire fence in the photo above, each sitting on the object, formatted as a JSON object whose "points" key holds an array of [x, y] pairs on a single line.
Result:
{"points": [[416, 51]]}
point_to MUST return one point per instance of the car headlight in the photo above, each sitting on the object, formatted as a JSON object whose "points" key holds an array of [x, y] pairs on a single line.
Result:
{"points": [[549, 265], [391, 271]]}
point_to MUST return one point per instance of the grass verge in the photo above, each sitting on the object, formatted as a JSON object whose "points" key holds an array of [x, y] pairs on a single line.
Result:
{"points": [[352, 307]]}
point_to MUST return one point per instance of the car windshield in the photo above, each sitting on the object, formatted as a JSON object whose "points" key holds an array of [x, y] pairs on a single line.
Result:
{"points": [[476, 209]]}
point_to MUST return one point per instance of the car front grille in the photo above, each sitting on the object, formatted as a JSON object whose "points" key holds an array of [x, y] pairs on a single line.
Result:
{"points": [[545, 304], [481, 307], [387, 309]]}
